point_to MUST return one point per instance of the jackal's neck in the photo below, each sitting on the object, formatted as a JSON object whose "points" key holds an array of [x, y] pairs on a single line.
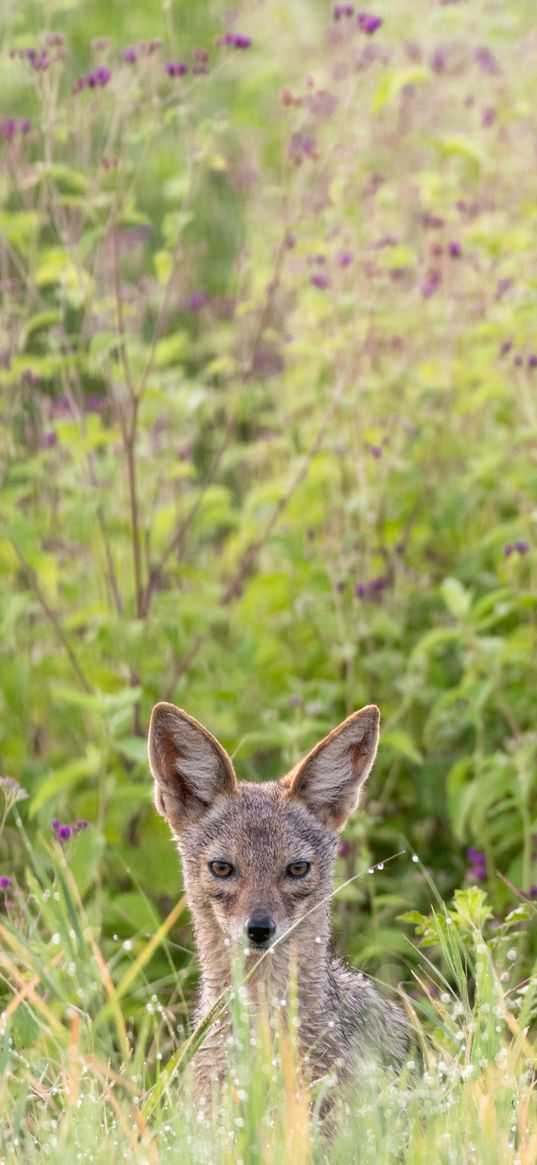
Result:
{"points": [[301, 958]]}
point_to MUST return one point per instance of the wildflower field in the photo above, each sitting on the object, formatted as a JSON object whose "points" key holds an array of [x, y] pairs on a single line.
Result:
{"points": [[268, 450]]}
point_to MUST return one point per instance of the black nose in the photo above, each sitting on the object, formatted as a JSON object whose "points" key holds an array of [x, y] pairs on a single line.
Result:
{"points": [[260, 928]]}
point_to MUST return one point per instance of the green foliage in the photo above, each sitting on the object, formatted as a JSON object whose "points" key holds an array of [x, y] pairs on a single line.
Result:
{"points": [[267, 431]]}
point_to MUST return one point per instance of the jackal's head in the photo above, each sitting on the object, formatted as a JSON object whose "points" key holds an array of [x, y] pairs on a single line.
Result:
{"points": [[257, 857]]}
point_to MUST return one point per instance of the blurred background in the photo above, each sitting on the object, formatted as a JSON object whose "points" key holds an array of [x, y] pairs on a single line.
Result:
{"points": [[268, 393]]}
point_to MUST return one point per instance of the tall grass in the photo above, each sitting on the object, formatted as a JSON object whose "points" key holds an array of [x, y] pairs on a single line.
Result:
{"points": [[94, 1067]]}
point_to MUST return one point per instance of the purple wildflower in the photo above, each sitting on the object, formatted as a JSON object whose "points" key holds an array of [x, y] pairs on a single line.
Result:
{"points": [[502, 286], [302, 146], [94, 403], [289, 241], [130, 55], [5, 882], [532, 360], [505, 347], [235, 40], [478, 865], [64, 832], [345, 258], [432, 221], [197, 300], [320, 281], [438, 61], [360, 590], [518, 361], [522, 547], [507, 550], [375, 451], [488, 116], [55, 823], [432, 283], [97, 79], [62, 406], [176, 68], [368, 23], [455, 250], [341, 10], [32, 379], [485, 58], [80, 825], [11, 126], [340, 586]]}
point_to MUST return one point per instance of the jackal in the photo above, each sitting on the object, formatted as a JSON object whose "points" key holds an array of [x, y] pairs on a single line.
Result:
{"points": [[258, 862]]}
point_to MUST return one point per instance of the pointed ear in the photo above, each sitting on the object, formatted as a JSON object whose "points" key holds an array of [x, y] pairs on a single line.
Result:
{"points": [[190, 767], [330, 777]]}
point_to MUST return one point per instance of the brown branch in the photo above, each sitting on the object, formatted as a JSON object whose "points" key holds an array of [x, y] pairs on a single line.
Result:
{"points": [[130, 454]]}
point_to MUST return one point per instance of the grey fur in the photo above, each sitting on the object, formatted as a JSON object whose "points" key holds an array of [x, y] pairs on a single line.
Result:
{"points": [[345, 1025]]}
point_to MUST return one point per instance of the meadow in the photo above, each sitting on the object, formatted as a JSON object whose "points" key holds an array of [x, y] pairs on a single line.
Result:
{"points": [[268, 438]]}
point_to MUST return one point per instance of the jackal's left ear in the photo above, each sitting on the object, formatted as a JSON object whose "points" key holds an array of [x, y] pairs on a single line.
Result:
{"points": [[190, 767], [330, 777]]}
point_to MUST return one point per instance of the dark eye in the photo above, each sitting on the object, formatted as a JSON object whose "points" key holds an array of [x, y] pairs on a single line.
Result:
{"points": [[221, 869], [298, 869]]}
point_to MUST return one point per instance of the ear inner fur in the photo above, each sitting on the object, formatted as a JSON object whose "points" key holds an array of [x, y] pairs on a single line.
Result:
{"points": [[189, 765], [330, 777]]}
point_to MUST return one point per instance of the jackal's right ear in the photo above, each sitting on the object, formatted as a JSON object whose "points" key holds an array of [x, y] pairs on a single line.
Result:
{"points": [[190, 767]]}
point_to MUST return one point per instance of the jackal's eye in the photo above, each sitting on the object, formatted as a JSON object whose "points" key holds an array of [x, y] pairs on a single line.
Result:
{"points": [[298, 869], [221, 869]]}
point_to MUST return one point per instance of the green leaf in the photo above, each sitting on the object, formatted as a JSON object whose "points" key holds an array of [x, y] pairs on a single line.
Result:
{"points": [[66, 776], [456, 598], [400, 742]]}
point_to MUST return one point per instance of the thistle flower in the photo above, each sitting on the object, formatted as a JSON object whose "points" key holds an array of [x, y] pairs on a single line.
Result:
{"points": [[12, 126], [5, 882], [97, 79], [368, 23], [235, 40], [320, 281], [176, 68]]}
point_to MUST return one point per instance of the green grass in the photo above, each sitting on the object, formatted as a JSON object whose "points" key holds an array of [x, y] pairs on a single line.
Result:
{"points": [[95, 1068]]}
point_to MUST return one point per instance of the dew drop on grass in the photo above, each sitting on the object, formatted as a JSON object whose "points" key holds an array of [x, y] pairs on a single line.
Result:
{"points": [[380, 866], [415, 858]]}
